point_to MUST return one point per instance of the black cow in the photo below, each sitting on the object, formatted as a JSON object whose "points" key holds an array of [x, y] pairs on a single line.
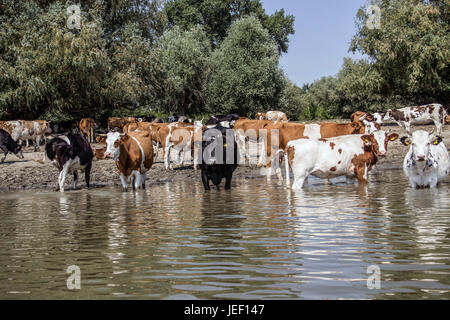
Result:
{"points": [[216, 166], [64, 127], [7, 144], [69, 154], [227, 118]]}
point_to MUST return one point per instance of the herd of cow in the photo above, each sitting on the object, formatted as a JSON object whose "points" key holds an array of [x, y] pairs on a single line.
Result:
{"points": [[324, 150]]}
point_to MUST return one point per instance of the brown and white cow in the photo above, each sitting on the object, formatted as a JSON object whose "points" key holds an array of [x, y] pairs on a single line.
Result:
{"points": [[280, 134], [350, 156], [276, 116], [87, 128], [133, 153], [24, 130], [246, 131], [370, 122], [261, 116], [118, 123], [179, 137], [404, 117]]}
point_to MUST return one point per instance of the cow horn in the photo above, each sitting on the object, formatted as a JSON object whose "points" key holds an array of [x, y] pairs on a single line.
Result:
{"points": [[363, 117]]}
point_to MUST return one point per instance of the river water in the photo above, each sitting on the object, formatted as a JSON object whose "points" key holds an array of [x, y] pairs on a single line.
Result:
{"points": [[257, 241]]}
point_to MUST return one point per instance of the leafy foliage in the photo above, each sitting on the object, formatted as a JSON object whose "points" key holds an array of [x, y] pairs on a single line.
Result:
{"points": [[218, 15], [245, 77]]}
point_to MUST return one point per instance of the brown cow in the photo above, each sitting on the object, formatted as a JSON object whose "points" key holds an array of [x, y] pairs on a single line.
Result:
{"points": [[87, 127], [133, 153], [118, 123], [292, 131]]}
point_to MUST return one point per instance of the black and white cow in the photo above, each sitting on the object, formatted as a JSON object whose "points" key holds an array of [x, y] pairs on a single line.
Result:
{"points": [[226, 120], [220, 156], [7, 144], [404, 117], [69, 154]]}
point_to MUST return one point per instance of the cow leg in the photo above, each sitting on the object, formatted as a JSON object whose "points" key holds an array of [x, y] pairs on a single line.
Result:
{"points": [[167, 158], [87, 174], [278, 159], [5, 150], [143, 178], [299, 180], [205, 180], [124, 182], [438, 126], [63, 174], [37, 143], [228, 178], [137, 180], [262, 156], [361, 175], [157, 150], [75, 179], [407, 126], [269, 172], [132, 180], [348, 180]]}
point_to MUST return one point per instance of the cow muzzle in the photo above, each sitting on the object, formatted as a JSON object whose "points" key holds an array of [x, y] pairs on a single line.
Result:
{"points": [[421, 158]]}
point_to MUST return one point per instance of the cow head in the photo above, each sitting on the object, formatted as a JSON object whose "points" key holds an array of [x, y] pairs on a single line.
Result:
{"points": [[370, 125], [420, 143], [356, 127], [112, 145], [378, 141], [388, 115], [378, 117]]}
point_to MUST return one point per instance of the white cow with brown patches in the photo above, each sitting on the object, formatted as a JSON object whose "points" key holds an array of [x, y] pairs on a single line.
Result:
{"points": [[404, 117], [427, 162], [350, 156]]}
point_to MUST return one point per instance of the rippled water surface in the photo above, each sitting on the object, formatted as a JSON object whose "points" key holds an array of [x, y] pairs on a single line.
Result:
{"points": [[257, 241]]}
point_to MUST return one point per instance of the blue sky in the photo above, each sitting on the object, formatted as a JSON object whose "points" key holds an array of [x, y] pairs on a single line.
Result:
{"points": [[323, 30]]}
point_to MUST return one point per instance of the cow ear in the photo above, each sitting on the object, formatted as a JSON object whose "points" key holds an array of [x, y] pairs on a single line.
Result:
{"points": [[366, 138], [405, 140], [437, 140], [393, 137]]}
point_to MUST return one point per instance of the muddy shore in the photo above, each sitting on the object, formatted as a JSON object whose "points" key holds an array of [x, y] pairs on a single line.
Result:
{"points": [[28, 174]]}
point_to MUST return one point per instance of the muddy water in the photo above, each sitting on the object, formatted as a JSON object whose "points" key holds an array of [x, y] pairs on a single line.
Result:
{"points": [[257, 241]]}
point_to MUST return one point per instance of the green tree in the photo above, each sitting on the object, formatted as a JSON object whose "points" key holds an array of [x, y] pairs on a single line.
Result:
{"points": [[218, 15], [319, 100], [245, 77], [184, 56], [410, 51]]}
